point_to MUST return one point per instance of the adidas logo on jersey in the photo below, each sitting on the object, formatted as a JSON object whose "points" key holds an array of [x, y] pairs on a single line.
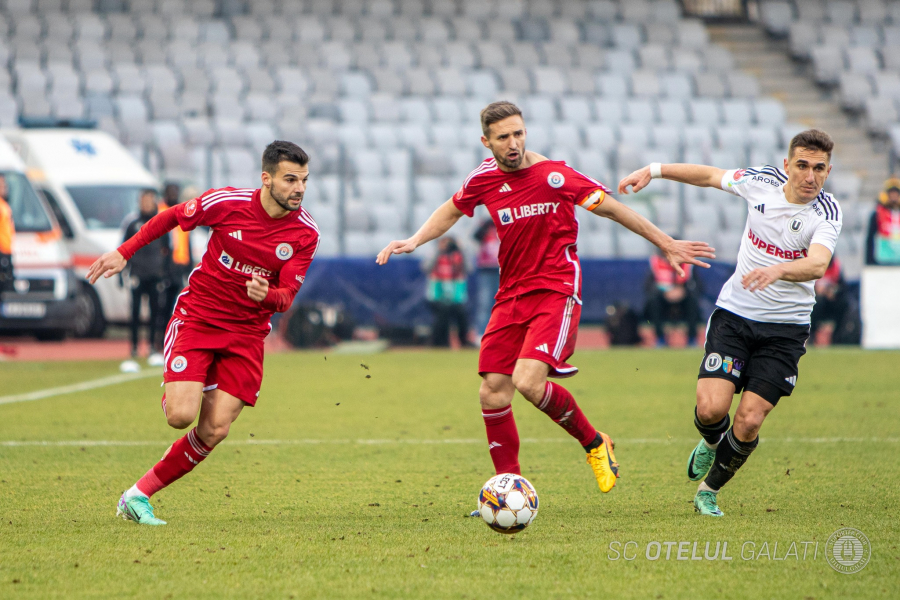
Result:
{"points": [[236, 234], [505, 188], [791, 380], [543, 348], [761, 208]]}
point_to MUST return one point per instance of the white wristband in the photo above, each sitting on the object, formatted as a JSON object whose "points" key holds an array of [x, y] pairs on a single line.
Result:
{"points": [[655, 171]]}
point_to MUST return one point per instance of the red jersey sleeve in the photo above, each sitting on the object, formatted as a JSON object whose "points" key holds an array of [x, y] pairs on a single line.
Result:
{"points": [[584, 191], [467, 198], [201, 211], [153, 229], [291, 277]]}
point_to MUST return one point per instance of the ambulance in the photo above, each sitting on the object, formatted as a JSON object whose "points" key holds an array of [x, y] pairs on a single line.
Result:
{"points": [[42, 300], [92, 184]]}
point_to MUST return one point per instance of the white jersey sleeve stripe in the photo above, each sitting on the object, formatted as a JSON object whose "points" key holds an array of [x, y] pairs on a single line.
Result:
{"points": [[226, 199], [225, 194], [488, 165]]}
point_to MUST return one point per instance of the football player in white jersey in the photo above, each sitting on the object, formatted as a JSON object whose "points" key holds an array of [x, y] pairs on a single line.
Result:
{"points": [[758, 331]]}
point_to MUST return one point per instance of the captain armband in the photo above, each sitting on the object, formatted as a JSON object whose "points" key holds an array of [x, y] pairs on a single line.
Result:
{"points": [[593, 200]]}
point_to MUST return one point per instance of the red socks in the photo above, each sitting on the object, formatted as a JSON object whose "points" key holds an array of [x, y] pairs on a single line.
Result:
{"points": [[182, 457], [559, 405], [503, 439]]}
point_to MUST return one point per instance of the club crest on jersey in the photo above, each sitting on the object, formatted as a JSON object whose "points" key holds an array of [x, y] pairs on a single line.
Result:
{"points": [[739, 174], [190, 208], [505, 216], [713, 362], [178, 364], [284, 251], [796, 225], [226, 260], [555, 180]]}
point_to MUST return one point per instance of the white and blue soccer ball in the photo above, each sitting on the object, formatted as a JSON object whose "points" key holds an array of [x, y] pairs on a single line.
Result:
{"points": [[508, 503]]}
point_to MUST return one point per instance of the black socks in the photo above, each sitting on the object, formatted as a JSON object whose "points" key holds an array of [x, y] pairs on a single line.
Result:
{"points": [[712, 433], [598, 441], [730, 456]]}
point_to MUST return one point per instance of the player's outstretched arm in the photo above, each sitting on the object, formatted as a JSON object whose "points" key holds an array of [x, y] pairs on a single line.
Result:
{"points": [[804, 269], [439, 223], [113, 262], [678, 252], [699, 175], [107, 265]]}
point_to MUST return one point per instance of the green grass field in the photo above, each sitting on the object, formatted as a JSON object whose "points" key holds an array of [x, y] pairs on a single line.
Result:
{"points": [[339, 485]]}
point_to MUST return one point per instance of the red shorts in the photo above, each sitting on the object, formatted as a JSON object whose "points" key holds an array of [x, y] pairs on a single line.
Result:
{"points": [[539, 325], [220, 359]]}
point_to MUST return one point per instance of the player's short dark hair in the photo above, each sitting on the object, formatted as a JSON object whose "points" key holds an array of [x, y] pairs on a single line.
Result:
{"points": [[146, 191], [497, 111], [279, 151], [812, 139]]}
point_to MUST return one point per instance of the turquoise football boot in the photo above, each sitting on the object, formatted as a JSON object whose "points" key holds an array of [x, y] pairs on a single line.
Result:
{"points": [[137, 509], [705, 504], [700, 461]]}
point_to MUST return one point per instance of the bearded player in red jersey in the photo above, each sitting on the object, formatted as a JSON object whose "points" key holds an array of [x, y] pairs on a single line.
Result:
{"points": [[261, 245], [534, 322]]}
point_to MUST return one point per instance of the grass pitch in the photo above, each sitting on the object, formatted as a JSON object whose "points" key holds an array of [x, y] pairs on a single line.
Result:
{"points": [[339, 485]]}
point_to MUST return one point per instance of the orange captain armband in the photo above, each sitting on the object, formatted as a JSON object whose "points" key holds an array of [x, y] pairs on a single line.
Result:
{"points": [[593, 200]]}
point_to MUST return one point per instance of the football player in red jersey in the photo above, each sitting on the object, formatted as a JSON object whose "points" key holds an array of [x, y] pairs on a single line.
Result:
{"points": [[534, 322], [261, 245]]}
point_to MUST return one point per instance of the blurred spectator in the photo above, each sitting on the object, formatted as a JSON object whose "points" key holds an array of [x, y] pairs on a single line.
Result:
{"points": [[180, 261], [147, 272], [171, 194], [7, 235], [883, 236], [672, 311], [488, 272], [447, 292], [831, 306]]}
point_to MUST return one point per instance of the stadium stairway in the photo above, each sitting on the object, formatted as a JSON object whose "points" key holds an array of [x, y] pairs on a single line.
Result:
{"points": [[805, 102]]}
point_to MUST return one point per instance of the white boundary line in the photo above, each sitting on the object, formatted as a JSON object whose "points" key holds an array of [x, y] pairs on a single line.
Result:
{"points": [[314, 442], [79, 387]]}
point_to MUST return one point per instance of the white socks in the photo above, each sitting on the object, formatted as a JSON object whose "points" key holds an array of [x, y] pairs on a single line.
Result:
{"points": [[712, 446], [705, 488], [134, 491]]}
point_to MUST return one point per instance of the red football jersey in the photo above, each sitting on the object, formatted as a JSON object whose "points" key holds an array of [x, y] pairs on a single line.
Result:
{"points": [[245, 241], [534, 211]]}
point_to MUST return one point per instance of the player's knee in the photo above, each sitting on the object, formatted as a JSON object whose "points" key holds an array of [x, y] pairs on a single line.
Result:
{"points": [[710, 407], [529, 385], [747, 425], [491, 396], [179, 419], [709, 412]]}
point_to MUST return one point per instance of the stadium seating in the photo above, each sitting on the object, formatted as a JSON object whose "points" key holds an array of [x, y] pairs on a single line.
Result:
{"points": [[854, 46], [385, 94]]}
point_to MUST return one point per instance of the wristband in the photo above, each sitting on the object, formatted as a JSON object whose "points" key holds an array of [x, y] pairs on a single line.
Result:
{"points": [[655, 171]]}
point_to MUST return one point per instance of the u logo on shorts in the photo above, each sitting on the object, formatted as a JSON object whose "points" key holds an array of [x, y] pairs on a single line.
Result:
{"points": [[713, 362]]}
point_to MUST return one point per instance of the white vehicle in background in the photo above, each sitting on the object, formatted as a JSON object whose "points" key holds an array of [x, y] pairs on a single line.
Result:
{"points": [[42, 300], [92, 183]]}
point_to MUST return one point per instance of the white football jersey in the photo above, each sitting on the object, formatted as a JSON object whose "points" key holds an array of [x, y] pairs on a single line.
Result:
{"points": [[776, 231]]}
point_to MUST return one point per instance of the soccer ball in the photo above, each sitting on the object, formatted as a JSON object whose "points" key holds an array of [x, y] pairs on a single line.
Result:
{"points": [[508, 503]]}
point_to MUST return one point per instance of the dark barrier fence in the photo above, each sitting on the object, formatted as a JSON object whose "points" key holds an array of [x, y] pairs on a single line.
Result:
{"points": [[394, 294]]}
